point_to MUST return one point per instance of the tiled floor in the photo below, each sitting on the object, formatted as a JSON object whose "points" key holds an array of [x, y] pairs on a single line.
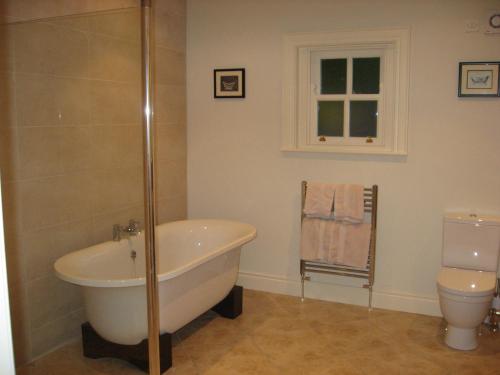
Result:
{"points": [[280, 335]]}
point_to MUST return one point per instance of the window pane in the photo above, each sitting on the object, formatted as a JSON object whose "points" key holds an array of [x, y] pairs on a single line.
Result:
{"points": [[366, 75], [331, 118], [333, 76], [363, 121]]}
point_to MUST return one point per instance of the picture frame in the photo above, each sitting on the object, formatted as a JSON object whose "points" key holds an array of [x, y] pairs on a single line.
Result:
{"points": [[479, 79], [229, 83]]}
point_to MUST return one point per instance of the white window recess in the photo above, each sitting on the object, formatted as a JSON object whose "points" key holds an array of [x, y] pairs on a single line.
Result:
{"points": [[305, 96]]}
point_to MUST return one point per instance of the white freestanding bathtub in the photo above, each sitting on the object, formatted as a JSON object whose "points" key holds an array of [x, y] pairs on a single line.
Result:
{"points": [[198, 266]]}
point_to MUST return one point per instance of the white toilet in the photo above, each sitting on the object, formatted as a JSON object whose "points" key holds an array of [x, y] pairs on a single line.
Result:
{"points": [[466, 282]]}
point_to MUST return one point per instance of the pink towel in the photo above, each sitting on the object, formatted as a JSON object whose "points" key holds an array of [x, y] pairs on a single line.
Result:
{"points": [[353, 245], [335, 243], [318, 239], [349, 203], [319, 199]]}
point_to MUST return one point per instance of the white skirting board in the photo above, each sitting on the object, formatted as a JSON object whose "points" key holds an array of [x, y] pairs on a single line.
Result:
{"points": [[344, 292]]}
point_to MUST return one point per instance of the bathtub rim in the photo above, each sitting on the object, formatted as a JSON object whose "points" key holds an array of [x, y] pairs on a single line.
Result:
{"points": [[139, 281]]}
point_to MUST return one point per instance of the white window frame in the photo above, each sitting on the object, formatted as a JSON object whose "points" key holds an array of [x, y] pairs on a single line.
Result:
{"points": [[301, 90]]}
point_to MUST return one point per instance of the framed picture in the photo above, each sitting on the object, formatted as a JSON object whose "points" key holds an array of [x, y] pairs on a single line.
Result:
{"points": [[478, 79], [229, 83]]}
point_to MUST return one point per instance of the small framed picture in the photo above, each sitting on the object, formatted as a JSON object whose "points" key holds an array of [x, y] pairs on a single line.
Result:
{"points": [[229, 83], [478, 79]]}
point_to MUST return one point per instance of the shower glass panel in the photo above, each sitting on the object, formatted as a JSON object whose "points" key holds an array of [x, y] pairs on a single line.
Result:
{"points": [[72, 167]]}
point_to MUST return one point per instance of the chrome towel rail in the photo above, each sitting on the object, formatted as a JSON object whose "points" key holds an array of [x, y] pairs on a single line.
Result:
{"points": [[368, 273]]}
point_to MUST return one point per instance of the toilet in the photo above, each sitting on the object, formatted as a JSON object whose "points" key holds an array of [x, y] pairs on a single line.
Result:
{"points": [[467, 279]]}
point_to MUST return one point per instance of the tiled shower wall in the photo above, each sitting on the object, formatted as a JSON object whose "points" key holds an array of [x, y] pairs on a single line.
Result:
{"points": [[71, 147]]}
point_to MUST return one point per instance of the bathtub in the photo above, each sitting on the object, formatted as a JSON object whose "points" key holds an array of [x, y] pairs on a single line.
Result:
{"points": [[198, 263]]}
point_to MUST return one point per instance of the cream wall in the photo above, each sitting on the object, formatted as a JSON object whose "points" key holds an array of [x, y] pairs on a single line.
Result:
{"points": [[71, 145], [236, 169]]}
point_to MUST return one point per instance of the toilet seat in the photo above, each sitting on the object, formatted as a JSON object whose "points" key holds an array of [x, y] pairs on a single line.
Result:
{"points": [[468, 283]]}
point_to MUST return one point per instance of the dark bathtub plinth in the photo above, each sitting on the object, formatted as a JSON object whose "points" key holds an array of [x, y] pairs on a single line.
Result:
{"points": [[232, 306], [94, 346]]}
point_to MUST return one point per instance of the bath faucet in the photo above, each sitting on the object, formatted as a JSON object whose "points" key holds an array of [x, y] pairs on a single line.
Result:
{"points": [[131, 230]]}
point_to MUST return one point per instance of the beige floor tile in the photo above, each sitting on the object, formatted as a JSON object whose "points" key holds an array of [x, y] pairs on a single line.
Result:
{"points": [[278, 335]]}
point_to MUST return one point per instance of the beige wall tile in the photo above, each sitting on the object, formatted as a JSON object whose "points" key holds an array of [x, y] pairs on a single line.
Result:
{"points": [[6, 48], [31, 9], [170, 66], [124, 24], [171, 178], [7, 19], [116, 146], [9, 161], [170, 209], [7, 99], [55, 200], [170, 104], [75, 149], [44, 247], [170, 30], [75, 22], [40, 248], [45, 48], [56, 332], [115, 103], [20, 322], [117, 188], [171, 6], [97, 5], [39, 153], [48, 101], [16, 259], [114, 59], [46, 151], [171, 142], [12, 208], [35, 9], [50, 299]]}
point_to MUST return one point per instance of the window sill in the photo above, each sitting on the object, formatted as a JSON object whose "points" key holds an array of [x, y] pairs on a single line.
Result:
{"points": [[344, 150]]}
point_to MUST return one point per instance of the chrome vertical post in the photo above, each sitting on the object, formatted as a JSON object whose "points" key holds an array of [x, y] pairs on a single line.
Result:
{"points": [[370, 298], [302, 279], [149, 191]]}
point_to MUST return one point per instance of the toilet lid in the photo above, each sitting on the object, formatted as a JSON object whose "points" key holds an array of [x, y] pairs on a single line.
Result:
{"points": [[466, 282]]}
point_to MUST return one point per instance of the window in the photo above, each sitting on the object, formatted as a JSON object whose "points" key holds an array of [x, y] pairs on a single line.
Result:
{"points": [[346, 92]]}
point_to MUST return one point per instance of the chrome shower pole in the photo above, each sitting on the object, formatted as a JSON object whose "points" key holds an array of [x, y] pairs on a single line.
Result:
{"points": [[149, 191]]}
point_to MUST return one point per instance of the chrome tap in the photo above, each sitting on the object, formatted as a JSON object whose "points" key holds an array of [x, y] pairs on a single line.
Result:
{"points": [[131, 230]]}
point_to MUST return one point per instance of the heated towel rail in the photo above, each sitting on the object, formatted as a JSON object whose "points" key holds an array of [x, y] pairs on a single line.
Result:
{"points": [[368, 273]]}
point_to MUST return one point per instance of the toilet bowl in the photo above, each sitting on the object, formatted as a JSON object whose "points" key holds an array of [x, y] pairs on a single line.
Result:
{"points": [[465, 297]]}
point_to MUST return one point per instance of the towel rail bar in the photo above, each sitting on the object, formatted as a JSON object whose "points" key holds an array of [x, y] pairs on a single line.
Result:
{"points": [[336, 273], [333, 267], [370, 195]]}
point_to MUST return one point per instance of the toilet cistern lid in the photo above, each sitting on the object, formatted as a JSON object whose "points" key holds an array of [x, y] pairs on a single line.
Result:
{"points": [[460, 217], [466, 282]]}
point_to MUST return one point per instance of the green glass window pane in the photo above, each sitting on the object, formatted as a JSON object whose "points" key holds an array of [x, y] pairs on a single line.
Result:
{"points": [[366, 75], [331, 118], [333, 76], [363, 118]]}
